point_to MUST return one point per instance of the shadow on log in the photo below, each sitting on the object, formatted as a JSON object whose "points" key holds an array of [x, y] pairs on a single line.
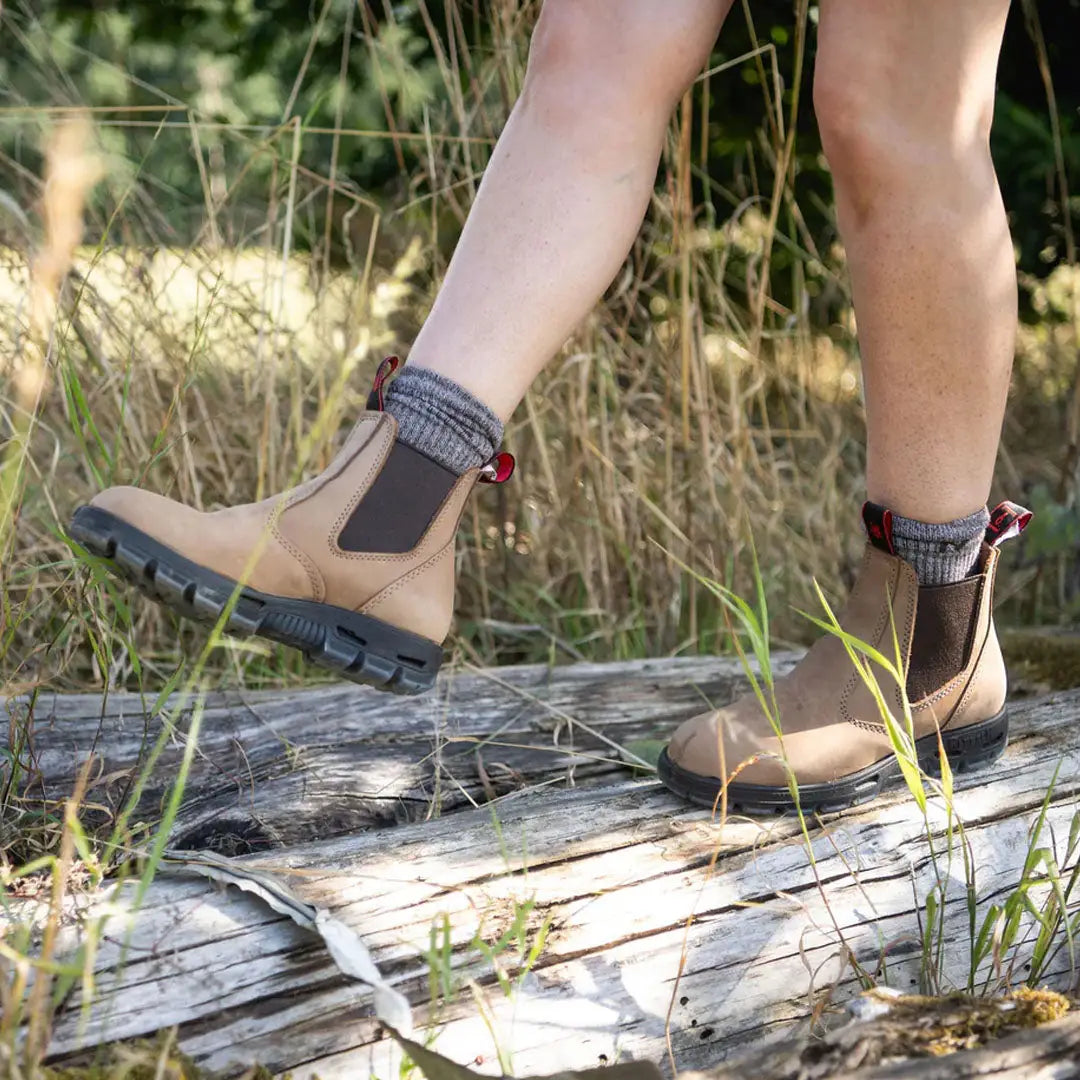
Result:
{"points": [[277, 768], [660, 924]]}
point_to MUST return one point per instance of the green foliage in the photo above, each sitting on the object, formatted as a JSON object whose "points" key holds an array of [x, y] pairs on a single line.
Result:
{"points": [[1023, 144], [254, 66], [510, 957], [1054, 530], [225, 63]]}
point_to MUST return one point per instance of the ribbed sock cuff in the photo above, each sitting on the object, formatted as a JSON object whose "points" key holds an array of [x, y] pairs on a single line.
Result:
{"points": [[944, 553], [443, 420]]}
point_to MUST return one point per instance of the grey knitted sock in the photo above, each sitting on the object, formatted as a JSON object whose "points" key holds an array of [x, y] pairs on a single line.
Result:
{"points": [[442, 420], [940, 554]]}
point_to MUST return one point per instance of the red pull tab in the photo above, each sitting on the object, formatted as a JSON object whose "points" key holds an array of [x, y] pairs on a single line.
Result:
{"points": [[386, 369], [878, 522], [1007, 519], [498, 470]]}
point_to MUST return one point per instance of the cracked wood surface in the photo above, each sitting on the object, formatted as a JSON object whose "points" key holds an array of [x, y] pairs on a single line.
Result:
{"points": [[279, 768], [635, 884], [1048, 1052]]}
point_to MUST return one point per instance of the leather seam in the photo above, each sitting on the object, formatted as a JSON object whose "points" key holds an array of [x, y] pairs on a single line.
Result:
{"points": [[868, 725], [358, 494], [909, 637], [968, 669], [320, 481], [965, 695], [387, 592], [302, 494], [315, 579], [969, 645], [989, 575], [879, 630], [853, 680], [946, 690]]}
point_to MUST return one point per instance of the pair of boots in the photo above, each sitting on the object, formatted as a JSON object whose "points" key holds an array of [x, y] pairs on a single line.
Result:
{"points": [[355, 568]]}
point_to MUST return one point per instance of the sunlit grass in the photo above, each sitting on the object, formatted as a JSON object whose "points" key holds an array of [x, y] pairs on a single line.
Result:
{"points": [[690, 405]]}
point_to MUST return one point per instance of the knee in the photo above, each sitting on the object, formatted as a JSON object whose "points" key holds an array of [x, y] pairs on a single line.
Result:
{"points": [[855, 127], [878, 132], [594, 58]]}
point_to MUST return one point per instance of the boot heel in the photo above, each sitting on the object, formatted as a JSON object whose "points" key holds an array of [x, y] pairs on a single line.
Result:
{"points": [[972, 747]]}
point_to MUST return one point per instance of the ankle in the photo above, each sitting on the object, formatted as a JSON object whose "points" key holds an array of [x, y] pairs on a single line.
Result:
{"points": [[940, 553], [442, 420]]}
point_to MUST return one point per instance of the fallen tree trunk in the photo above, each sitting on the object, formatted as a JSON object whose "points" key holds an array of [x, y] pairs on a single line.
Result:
{"points": [[278, 768], [1048, 1052], [661, 924]]}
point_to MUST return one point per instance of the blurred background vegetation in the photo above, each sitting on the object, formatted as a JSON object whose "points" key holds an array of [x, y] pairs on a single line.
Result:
{"points": [[254, 66], [280, 187]]}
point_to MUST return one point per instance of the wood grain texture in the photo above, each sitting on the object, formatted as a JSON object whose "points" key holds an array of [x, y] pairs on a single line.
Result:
{"points": [[287, 768], [1049, 1052], [634, 883]]}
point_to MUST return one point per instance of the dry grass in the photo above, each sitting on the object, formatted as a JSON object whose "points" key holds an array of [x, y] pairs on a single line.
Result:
{"points": [[691, 412]]}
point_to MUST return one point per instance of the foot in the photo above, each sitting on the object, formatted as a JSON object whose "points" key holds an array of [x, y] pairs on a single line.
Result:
{"points": [[833, 738], [355, 567]]}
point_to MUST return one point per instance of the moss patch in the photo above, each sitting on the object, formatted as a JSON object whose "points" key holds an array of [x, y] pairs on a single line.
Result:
{"points": [[1041, 660], [930, 1027]]}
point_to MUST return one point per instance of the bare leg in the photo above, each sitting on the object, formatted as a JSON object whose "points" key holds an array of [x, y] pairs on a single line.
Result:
{"points": [[567, 186], [904, 95]]}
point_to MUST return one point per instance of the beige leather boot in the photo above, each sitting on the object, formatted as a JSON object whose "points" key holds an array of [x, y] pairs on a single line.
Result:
{"points": [[833, 737], [355, 567]]}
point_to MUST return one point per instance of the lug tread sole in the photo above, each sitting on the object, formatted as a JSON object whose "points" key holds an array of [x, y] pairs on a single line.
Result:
{"points": [[357, 647]]}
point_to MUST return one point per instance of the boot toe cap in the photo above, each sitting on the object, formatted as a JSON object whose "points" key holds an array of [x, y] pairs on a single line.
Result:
{"points": [[236, 543], [735, 743], [131, 504], [162, 519]]}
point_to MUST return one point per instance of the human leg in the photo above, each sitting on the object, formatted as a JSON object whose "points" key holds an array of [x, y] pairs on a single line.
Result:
{"points": [[567, 186], [356, 566], [904, 95]]}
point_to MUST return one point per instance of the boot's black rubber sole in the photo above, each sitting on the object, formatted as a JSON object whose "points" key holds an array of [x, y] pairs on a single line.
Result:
{"points": [[356, 646], [968, 748]]}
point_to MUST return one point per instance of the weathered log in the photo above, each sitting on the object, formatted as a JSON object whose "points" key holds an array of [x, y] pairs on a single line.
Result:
{"points": [[1047, 1052], [644, 922], [280, 768]]}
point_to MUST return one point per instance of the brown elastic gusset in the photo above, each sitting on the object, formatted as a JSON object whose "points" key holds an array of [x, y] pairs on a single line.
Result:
{"points": [[945, 620], [399, 506]]}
